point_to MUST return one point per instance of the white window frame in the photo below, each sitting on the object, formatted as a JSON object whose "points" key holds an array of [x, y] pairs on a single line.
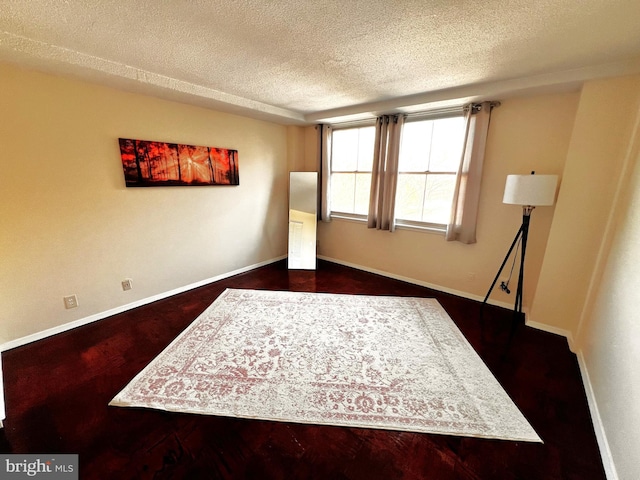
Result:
{"points": [[425, 116], [412, 117], [358, 217]]}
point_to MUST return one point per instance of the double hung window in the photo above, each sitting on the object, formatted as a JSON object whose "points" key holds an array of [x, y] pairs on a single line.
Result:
{"points": [[430, 152], [351, 165]]}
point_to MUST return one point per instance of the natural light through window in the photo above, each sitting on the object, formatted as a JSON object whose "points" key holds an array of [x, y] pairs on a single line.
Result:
{"points": [[351, 164], [430, 152], [429, 157]]}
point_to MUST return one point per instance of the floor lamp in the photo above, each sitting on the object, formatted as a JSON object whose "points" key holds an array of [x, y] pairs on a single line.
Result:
{"points": [[530, 191]]}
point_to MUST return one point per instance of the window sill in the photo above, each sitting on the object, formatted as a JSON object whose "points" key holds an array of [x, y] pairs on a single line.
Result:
{"points": [[424, 228], [400, 225], [351, 217]]}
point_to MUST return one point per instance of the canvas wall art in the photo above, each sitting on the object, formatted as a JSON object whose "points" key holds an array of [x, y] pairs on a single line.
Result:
{"points": [[158, 164]]}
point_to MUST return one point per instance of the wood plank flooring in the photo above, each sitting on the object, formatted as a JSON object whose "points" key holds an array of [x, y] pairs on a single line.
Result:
{"points": [[57, 391]]}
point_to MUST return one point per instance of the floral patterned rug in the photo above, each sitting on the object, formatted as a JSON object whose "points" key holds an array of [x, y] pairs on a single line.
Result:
{"points": [[351, 360]]}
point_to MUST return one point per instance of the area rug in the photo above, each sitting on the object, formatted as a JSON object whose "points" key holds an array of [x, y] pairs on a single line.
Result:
{"points": [[349, 360]]}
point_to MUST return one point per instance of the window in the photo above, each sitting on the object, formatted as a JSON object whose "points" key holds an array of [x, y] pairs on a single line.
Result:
{"points": [[430, 153], [351, 165]]}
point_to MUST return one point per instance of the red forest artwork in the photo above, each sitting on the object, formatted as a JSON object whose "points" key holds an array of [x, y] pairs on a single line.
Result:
{"points": [[158, 164]]}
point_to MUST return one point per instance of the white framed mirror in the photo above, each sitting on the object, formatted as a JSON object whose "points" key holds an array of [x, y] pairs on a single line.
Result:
{"points": [[303, 219]]}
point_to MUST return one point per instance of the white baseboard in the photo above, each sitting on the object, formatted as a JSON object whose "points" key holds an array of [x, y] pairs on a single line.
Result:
{"points": [[551, 329], [114, 311], [598, 427], [459, 293], [601, 437], [432, 286]]}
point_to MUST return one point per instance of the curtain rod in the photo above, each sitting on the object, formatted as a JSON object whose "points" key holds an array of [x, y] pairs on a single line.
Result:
{"points": [[477, 106], [436, 112], [363, 122], [439, 112]]}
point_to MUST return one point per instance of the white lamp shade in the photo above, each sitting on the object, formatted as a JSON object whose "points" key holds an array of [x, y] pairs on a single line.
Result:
{"points": [[531, 190]]}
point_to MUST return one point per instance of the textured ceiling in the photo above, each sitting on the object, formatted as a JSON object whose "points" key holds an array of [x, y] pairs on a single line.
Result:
{"points": [[297, 61]]}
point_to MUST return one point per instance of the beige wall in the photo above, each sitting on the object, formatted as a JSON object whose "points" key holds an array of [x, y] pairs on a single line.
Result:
{"points": [[295, 148], [302, 147], [609, 339], [582, 275], [525, 134], [69, 225], [598, 149]]}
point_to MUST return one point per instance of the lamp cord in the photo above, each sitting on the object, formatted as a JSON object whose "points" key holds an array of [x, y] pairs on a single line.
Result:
{"points": [[504, 286]]}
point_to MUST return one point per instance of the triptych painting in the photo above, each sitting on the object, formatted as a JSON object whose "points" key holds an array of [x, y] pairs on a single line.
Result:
{"points": [[159, 164]]}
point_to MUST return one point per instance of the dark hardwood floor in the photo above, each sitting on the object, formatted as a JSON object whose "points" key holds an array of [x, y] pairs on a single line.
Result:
{"points": [[57, 391]]}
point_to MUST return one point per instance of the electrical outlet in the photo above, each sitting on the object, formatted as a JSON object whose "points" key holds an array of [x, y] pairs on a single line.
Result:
{"points": [[127, 284], [70, 302]]}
